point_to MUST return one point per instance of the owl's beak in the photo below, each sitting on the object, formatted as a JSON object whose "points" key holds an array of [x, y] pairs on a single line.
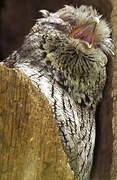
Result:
{"points": [[86, 33]]}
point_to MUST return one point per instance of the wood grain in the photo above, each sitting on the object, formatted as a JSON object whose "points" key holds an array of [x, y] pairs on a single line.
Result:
{"points": [[30, 148]]}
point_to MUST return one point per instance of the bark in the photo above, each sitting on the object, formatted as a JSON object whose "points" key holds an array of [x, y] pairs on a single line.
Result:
{"points": [[114, 94], [30, 148]]}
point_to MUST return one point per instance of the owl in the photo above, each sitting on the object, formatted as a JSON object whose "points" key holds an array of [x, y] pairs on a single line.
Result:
{"points": [[65, 57]]}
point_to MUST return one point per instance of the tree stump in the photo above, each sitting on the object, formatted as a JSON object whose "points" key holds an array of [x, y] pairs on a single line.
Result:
{"points": [[30, 148]]}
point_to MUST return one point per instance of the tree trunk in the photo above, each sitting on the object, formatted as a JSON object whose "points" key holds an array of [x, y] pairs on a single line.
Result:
{"points": [[30, 148], [114, 94]]}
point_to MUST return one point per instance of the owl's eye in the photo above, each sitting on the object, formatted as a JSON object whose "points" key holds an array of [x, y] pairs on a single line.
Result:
{"points": [[86, 33]]}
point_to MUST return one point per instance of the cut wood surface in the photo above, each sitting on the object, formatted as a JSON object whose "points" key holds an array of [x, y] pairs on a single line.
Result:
{"points": [[30, 148]]}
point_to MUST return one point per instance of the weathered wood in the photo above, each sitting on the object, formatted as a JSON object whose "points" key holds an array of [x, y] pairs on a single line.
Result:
{"points": [[30, 148], [114, 94]]}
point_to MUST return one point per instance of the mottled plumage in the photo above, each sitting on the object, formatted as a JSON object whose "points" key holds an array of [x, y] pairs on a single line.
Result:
{"points": [[65, 56]]}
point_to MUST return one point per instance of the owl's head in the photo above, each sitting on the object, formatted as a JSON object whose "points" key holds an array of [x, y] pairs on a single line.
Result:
{"points": [[84, 24]]}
